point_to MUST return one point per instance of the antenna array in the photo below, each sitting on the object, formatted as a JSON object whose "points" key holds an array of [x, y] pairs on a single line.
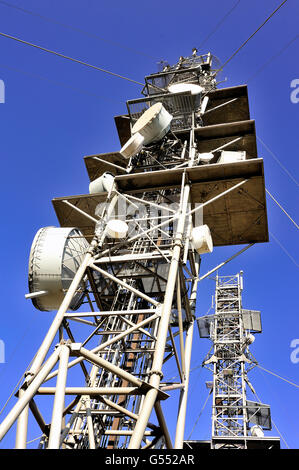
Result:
{"points": [[186, 179]]}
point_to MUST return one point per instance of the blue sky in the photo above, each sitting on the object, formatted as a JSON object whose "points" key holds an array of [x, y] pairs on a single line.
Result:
{"points": [[55, 112]]}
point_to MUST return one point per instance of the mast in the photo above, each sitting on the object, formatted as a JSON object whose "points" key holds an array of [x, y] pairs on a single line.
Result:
{"points": [[237, 422], [123, 267]]}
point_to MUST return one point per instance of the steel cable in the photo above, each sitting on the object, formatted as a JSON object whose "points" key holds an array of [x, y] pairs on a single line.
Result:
{"points": [[73, 28], [252, 35], [63, 56]]}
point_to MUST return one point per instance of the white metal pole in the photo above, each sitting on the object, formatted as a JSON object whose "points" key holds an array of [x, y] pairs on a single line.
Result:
{"points": [[179, 439], [90, 429], [180, 322], [180, 429], [28, 394], [156, 373], [225, 262], [21, 434], [56, 422], [163, 425]]}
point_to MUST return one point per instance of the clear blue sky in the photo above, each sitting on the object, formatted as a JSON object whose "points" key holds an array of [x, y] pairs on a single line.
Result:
{"points": [[56, 112]]}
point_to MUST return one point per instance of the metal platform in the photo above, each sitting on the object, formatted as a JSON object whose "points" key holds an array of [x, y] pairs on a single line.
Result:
{"points": [[250, 442], [171, 178], [96, 165], [70, 217], [229, 105], [236, 218], [240, 135], [123, 127], [210, 138]]}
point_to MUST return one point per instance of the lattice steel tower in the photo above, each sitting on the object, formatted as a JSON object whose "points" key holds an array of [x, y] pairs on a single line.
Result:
{"points": [[236, 421], [122, 270], [229, 341]]}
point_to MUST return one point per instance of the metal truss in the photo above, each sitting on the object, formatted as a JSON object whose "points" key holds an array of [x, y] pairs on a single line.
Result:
{"points": [[228, 362], [140, 293], [132, 290]]}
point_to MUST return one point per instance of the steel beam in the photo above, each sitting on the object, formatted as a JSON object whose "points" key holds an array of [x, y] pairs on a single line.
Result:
{"points": [[156, 371], [57, 415], [180, 428], [28, 394]]}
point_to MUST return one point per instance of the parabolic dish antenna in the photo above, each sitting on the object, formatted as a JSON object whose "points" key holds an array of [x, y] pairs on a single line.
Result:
{"points": [[183, 87], [153, 124], [55, 256]]}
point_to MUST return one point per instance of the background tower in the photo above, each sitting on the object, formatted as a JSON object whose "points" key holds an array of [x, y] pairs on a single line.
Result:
{"points": [[236, 421]]}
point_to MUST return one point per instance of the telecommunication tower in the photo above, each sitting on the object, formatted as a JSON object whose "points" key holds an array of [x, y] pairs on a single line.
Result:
{"points": [[236, 421], [123, 267]]}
